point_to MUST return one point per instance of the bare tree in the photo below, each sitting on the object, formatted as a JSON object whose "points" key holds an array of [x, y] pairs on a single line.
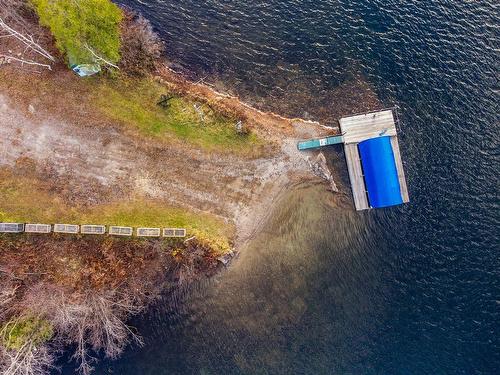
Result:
{"points": [[17, 27], [97, 323], [28, 360], [141, 46], [32, 357], [93, 321], [8, 291]]}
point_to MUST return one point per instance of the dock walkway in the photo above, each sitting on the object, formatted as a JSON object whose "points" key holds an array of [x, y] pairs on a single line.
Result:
{"points": [[315, 143]]}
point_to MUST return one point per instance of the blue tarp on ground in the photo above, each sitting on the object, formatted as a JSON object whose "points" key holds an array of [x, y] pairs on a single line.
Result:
{"points": [[85, 70], [381, 175]]}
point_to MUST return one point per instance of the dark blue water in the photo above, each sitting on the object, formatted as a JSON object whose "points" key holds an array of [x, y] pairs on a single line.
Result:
{"points": [[324, 290]]}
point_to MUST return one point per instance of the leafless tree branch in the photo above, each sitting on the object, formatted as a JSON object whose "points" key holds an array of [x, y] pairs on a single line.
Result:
{"points": [[27, 40], [23, 61], [28, 360], [99, 58], [93, 321]]}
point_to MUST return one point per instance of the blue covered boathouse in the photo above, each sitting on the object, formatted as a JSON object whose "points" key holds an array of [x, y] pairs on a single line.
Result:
{"points": [[373, 158], [380, 172]]}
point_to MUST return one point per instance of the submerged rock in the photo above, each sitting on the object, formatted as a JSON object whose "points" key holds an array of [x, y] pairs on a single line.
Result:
{"points": [[320, 169]]}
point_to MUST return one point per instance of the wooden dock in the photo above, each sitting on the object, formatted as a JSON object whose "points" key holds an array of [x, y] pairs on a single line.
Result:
{"points": [[356, 176], [401, 172], [358, 128]]}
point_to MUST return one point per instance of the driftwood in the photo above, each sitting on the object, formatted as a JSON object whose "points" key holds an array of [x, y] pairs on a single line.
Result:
{"points": [[7, 59]]}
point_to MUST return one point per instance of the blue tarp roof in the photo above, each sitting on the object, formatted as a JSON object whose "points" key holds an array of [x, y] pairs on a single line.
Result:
{"points": [[379, 169]]}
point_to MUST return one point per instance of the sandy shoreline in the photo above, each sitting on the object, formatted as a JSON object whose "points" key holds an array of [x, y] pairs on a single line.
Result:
{"points": [[97, 158], [293, 166]]}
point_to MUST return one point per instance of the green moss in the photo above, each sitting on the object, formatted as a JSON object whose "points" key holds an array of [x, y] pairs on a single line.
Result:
{"points": [[134, 104], [17, 332]]}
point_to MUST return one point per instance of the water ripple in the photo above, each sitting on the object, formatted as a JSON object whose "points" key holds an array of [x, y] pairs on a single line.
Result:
{"points": [[408, 290]]}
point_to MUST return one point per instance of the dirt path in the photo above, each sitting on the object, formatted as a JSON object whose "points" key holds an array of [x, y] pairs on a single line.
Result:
{"points": [[237, 189]]}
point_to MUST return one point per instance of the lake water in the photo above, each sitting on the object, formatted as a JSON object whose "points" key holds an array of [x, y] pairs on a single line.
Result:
{"points": [[323, 290]]}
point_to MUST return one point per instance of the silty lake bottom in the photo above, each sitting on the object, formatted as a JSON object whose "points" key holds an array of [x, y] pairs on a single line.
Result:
{"points": [[413, 289]]}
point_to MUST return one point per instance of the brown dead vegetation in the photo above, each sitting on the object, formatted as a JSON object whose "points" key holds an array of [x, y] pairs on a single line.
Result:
{"points": [[25, 44], [87, 288], [141, 47]]}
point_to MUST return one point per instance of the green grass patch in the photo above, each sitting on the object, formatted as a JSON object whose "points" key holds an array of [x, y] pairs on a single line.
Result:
{"points": [[133, 103], [19, 331], [146, 213], [26, 199]]}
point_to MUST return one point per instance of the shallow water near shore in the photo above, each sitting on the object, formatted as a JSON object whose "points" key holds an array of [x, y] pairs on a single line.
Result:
{"points": [[325, 290], [291, 296]]}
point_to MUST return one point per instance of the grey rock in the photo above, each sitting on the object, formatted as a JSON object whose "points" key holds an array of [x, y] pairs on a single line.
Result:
{"points": [[320, 168]]}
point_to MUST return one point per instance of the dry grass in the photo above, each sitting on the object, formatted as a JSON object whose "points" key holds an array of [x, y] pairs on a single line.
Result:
{"points": [[83, 289], [131, 104], [26, 198]]}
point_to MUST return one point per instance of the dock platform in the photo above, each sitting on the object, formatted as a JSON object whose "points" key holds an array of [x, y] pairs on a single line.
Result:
{"points": [[356, 176], [360, 128]]}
